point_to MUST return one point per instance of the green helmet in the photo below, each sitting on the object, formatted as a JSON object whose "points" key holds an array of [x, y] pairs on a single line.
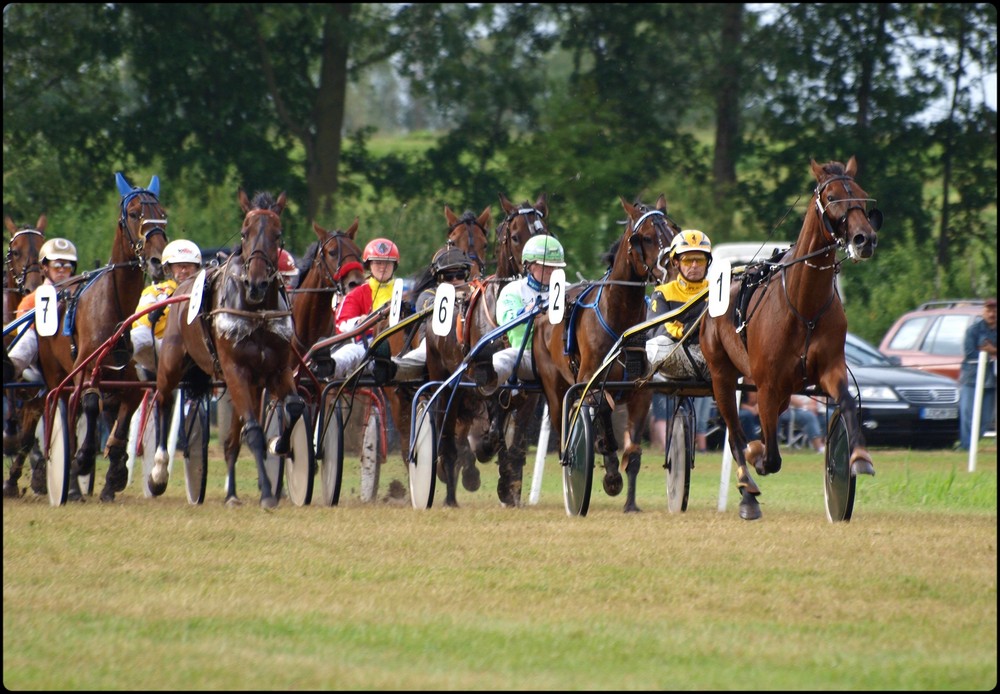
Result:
{"points": [[544, 250]]}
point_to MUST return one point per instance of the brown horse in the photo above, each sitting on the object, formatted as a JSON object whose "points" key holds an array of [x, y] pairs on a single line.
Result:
{"points": [[467, 232], [22, 275], [794, 329], [332, 267], [510, 418], [101, 301], [243, 332], [596, 316]]}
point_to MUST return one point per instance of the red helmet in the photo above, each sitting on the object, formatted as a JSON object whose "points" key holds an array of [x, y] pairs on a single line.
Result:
{"points": [[286, 264], [380, 249]]}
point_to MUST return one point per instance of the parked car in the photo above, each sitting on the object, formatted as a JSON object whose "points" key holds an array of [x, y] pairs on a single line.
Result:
{"points": [[899, 406], [930, 338]]}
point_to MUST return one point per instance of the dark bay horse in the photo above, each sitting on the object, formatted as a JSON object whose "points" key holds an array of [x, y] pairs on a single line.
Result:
{"points": [[795, 328], [22, 276], [243, 332], [98, 304], [597, 314], [510, 418]]}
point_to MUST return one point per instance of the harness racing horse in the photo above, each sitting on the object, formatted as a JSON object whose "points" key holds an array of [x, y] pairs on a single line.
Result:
{"points": [[99, 303], [331, 268], [466, 417], [794, 329], [597, 314], [510, 416], [22, 275], [243, 332]]}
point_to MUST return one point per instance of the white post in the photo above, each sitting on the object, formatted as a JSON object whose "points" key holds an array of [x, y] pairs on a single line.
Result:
{"points": [[727, 460], [175, 429], [543, 448], [977, 410]]}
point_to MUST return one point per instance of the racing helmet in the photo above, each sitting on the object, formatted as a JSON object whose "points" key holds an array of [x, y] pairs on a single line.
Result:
{"points": [[181, 251], [57, 249], [691, 241], [451, 258], [286, 264], [380, 249], [543, 249]]}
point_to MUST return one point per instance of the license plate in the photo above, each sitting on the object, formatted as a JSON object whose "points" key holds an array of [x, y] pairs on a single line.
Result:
{"points": [[939, 413]]}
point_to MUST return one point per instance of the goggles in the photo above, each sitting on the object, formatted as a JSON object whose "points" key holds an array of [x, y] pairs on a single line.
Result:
{"points": [[452, 275], [61, 265], [693, 260]]}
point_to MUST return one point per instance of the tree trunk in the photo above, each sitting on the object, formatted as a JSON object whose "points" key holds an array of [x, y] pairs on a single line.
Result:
{"points": [[727, 120]]}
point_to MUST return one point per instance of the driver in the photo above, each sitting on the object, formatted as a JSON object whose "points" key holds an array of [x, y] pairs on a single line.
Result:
{"points": [[674, 350]]}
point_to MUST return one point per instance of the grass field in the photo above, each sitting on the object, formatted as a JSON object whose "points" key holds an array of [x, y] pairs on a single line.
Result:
{"points": [[155, 594]]}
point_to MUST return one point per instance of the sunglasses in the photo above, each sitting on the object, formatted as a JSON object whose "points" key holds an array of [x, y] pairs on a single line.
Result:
{"points": [[694, 261], [56, 265], [453, 275]]}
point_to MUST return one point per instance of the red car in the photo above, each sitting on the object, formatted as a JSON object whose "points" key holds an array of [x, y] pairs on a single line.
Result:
{"points": [[931, 337]]}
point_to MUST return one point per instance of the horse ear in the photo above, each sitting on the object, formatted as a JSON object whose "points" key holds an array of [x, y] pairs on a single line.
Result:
{"points": [[852, 167], [353, 229], [154, 186], [661, 203], [541, 204], [124, 187], [627, 206], [450, 216], [484, 217], [9, 223], [244, 201], [319, 231], [506, 204], [42, 222], [280, 204], [817, 170]]}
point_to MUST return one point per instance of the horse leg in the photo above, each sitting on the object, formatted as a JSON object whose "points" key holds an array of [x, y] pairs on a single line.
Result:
{"points": [[770, 462], [253, 435], [86, 450], [231, 450], [724, 389], [116, 478], [448, 466], [607, 445], [294, 405], [159, 475], [861, 459]]}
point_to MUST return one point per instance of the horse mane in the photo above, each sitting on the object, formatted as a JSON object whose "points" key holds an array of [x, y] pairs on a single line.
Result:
{"points": [[306, 262], [609, 256], [263, 200]]}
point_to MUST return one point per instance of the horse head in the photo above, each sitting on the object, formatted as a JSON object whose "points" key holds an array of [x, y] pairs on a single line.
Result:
{"points": [[520, 223], [837, 195], [23, 271], [469, 233], [142, 226], [339, 257], [260, 243], [648, 233]]}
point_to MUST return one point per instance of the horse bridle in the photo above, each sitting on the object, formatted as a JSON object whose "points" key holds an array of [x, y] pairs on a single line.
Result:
{"points": [[272, 265], [470, 222], [157, 225], [535, 228], [874, 215], [343, 266], [659, 221], [21, 278]]}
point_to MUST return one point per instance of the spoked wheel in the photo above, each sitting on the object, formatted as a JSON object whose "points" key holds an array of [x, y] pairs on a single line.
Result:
{"points": [[86, 481], [300, 462], [680, 459], [57, 465], [196, 434], [331, 450], [424, 454], [838, 484], [274, 465], [578, 463], [371, 445]]}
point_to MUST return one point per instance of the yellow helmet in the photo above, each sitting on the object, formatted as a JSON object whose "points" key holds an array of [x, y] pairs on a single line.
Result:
{"points": [[57, 249], [690, 241]]}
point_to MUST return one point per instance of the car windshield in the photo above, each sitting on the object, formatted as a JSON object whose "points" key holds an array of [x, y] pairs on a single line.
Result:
{"points": [[860, 353]]}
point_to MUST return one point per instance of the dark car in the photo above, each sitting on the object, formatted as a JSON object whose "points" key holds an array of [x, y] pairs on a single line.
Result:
{"points": [[901, 406]]}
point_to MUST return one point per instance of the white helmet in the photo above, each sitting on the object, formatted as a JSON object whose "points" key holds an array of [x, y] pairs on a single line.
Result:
{"points": [[181, 251], [57, 249]]}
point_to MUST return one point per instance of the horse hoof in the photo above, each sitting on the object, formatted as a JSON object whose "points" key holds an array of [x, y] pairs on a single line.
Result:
{"points": [[269, 502], [233, 502], [632, 508], [107, 495], [10, 490], [750, 511], [471, 479], [39, 484], [274, 447], [613, 483], [118, 478], [74, 495], [156, 488], [861, 464]]}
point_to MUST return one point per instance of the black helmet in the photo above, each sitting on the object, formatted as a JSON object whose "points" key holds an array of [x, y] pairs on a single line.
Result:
{"points": [[451, 258]]}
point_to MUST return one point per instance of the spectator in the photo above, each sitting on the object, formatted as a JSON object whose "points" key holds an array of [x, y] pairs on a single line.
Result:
{"points": [[981, 336], [802, 410], [659, 416]]}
